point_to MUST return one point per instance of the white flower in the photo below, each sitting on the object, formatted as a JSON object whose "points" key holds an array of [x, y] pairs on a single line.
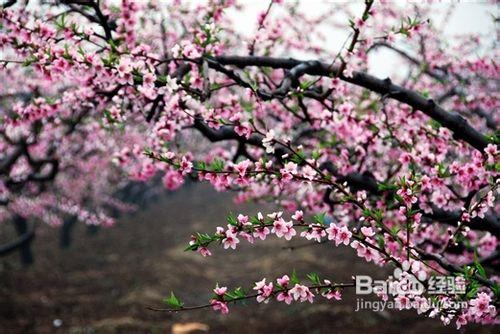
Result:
{"points": [[267, 141]]}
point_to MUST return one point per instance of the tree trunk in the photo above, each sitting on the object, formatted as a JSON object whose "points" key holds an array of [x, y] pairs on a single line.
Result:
{"points": [[25, 252], [65, 235], [92, 229]]}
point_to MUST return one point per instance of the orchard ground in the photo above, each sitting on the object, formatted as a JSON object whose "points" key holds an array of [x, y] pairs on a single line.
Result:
{"points": [[104, 282]]}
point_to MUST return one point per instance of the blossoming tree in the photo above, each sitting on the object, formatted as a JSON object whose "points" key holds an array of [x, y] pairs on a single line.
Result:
{"points": [[404, 170]]}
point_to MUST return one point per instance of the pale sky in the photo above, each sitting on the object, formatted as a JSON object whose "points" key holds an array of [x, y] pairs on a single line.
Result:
{"points": [[467, 17]]}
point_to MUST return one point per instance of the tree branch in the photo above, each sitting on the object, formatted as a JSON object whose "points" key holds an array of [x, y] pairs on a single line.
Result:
{"points": [[354, 180], [456, 123]]}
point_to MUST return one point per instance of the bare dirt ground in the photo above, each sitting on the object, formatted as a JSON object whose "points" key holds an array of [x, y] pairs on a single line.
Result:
{"points": [[104, 283]]}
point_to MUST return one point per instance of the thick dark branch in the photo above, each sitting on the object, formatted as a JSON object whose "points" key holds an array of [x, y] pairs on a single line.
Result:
{"points": [[101, 19], [455, 91], [228, 133], [489, 223], [8, 4], [292, 78], [356, 181], [456, 123], [229, 73], [152, 111], [449, 266], [7, 162], [54, 168], [225, 133], [366, 182]]}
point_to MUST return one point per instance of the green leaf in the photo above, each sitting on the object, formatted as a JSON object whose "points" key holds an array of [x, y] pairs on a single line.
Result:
{"points": [[496, 290], [314, 278], [254, 220], [192, 247], [231, 219], [443, 171], [395, 230], [386, 186], [316, 155], [319, 218], [247, 106], [305, 85], [200, 165], [204, 238], [250, 81], [108, 116], [294, 279], [173, 301], [380, 240], [479, 268], [374, 129], [496, 167], [61, 22], [399, 198], [217, 165], [28, 61], [493, 138], [162, 79], [474, 287], [299, 157], [236, 294], [434, 124]]}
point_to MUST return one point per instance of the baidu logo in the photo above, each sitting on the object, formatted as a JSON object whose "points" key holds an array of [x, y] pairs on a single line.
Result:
{"points": [[402, 282]]}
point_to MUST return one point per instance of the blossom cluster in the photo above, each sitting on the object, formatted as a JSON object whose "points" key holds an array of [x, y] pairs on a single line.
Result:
{"points": [[260, 227], [286, 289], [397, 172]]}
